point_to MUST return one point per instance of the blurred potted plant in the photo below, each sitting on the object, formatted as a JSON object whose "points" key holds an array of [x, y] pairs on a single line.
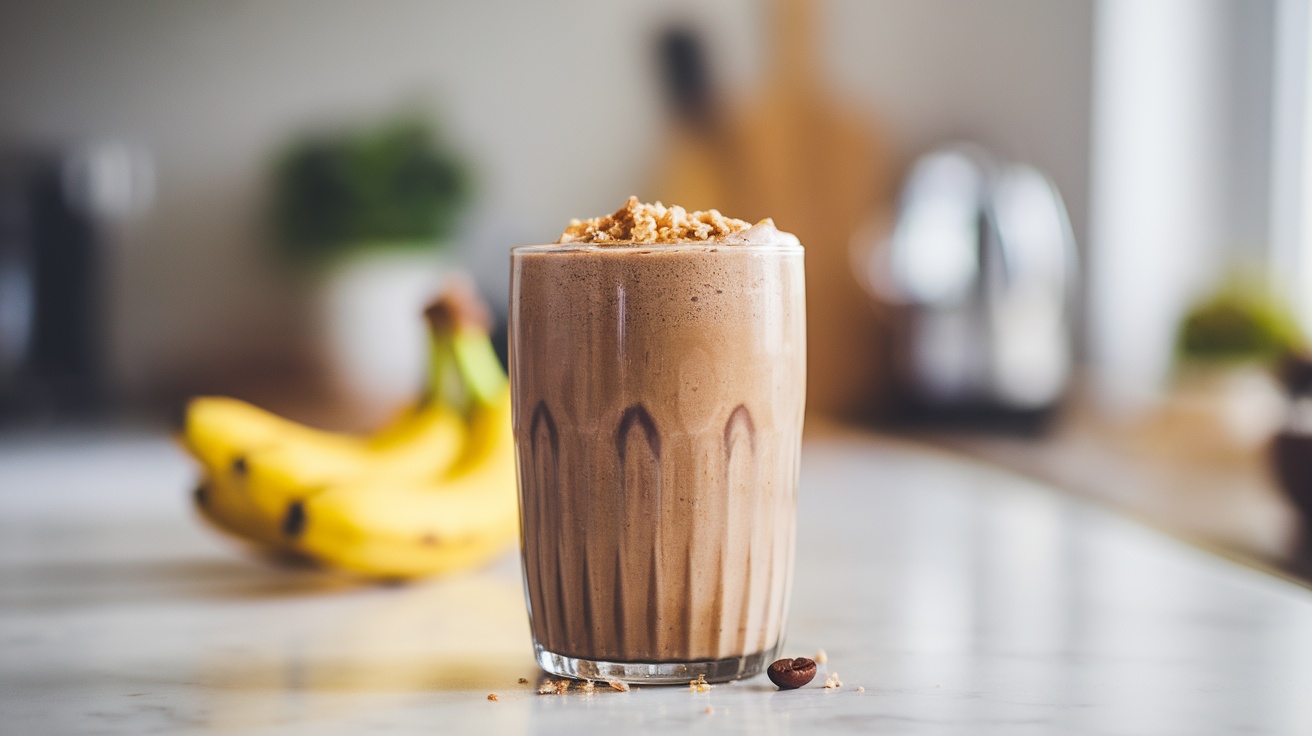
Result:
{"points": [[1237, 325], [370, 213], [1229, 345]]}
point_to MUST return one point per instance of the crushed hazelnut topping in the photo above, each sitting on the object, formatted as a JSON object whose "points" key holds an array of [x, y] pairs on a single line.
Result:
{"points": [[832, 681], [618, 686], [639, 222]]}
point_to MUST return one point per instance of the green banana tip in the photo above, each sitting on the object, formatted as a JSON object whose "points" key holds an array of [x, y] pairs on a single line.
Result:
{"points": [[464, 370], [480, 368]]}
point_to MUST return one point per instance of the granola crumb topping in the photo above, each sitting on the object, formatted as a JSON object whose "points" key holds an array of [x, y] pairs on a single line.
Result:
{"points": [[640, 222]]}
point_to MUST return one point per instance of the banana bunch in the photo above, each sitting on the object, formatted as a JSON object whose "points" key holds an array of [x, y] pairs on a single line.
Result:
{"points": [[433, 491]]}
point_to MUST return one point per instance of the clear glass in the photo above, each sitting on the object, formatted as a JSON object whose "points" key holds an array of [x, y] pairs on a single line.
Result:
{"points": [[658, 400]]}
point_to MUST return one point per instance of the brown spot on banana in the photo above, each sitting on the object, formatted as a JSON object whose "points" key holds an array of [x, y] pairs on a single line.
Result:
{"points": [[293, 522]]}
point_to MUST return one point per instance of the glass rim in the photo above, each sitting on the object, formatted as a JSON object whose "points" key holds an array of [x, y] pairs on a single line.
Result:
{"points": [[629, 247]]}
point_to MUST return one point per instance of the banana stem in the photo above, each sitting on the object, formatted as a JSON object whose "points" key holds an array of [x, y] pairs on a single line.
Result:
{"points": [[464, 371]]}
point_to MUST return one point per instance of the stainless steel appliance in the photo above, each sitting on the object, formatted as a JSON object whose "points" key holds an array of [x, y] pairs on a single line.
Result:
{"points": [[979, 274]]}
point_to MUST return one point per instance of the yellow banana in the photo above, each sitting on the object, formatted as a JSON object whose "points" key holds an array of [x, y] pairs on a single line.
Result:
{"points": [[242, 448], [219, 433], [265, 475], [278, 475], [232, 513], [247, 486], [219, 429], [464, 371], [411, 529]]}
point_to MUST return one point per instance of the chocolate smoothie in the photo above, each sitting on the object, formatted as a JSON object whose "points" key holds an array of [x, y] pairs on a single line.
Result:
{"points": [[658, 397]]}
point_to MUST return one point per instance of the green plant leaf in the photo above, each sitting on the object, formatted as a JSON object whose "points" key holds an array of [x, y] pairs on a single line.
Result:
{"points": [[334, 194]]}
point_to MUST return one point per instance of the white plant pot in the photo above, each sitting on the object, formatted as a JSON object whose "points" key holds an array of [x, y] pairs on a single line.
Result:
{"points": [[373, 334]]}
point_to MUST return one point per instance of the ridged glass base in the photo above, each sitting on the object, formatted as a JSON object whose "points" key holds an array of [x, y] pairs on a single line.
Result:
{"points": [[655, 673]]}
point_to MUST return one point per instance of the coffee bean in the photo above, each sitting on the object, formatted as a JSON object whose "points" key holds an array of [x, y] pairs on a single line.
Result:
{"points": [[790, 674]]}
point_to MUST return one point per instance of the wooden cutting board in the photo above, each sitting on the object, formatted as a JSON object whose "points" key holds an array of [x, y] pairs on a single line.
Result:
{"points": [[797, 152]]}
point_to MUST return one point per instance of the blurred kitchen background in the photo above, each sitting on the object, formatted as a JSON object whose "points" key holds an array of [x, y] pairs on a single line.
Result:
{"points": [[1074, 238]]}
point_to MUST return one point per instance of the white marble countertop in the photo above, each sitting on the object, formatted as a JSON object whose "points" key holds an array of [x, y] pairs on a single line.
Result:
{"points": [[961, 598]]}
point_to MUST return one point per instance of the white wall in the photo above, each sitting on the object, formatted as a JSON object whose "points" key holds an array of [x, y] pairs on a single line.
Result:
{"points": [[1291, 169], [1181, 163], [559, 119], [1012, 74]]}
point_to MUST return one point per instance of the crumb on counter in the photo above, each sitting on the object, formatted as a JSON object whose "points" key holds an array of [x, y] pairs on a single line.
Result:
{"points": [[832, 681], [699, 685], [710, 711], [860, 689], [617, 686], [523, 680], [554, 687], [639, 222], [493, 697], [821, 657]]}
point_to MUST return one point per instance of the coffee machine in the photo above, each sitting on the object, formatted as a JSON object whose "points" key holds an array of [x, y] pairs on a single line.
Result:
{"points": [[54, 206]]}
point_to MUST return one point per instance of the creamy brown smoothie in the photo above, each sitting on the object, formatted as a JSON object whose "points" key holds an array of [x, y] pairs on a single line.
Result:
{"points": [[658, 369]]}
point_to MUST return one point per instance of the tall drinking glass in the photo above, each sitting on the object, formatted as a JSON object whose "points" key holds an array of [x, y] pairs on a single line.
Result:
{"points": [[658, 399]]}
